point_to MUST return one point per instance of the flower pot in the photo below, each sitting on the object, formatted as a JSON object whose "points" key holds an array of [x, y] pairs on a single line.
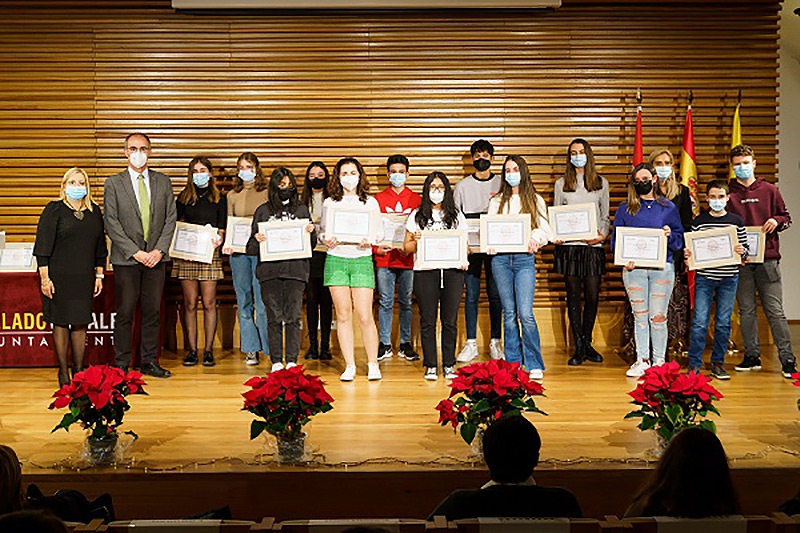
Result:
{"points": [[102, 450], [477, 444], [291, 449]]}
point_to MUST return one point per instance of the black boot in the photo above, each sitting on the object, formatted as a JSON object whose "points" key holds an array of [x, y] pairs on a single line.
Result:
{"points": [[580, 350], [592, 355]]}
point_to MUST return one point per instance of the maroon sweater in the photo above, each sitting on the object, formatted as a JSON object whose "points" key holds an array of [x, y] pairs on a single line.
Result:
{"points": [[758, 203]]}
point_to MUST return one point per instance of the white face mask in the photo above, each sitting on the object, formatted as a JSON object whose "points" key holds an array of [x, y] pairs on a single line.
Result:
{"points": [[436, 197], [349, 182], [138, 159]]}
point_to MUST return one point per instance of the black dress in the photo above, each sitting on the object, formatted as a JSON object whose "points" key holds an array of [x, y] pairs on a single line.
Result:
{"points": [[71, 249]]}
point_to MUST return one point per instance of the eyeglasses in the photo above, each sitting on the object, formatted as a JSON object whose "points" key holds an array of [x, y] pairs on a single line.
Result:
{"points": [[438, 188]]}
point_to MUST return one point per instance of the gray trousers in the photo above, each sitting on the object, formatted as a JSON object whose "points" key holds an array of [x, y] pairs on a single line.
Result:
{"points": [[765, 277]]}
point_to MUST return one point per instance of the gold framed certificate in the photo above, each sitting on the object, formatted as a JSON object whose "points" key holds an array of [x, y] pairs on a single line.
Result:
{"points": [[756, 241], [505, 233], [285, 239], [238, 233], [712, 248], [646, 247], [17, 257], [474, 229], [193, 242], [442, 249], [351, 224], [394, 230], [573, 222]]}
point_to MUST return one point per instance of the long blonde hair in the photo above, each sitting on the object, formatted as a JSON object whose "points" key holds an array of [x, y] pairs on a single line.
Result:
{"points": [[671, 184], [527, 190], [87, 201]]}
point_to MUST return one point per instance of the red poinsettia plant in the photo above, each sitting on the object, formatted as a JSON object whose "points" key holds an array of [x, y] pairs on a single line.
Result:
{"points": [[96, 399], [796, 378], [285, 400], [669, 400], [484, 392]]}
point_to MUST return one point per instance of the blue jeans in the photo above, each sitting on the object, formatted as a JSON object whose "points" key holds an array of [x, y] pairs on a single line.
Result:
{"points": [[252, 331], [515, 275], [649, 291], [473, 285], [707, 291], [404, 279]]}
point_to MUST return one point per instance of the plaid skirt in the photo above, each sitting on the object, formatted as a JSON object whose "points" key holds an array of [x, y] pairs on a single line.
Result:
{"points": [[184, 269]]}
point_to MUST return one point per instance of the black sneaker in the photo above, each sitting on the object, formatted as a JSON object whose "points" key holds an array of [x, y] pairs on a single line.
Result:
{"points": [[787, 369], [718, 372], [748, 364], [407, 351], [208, 359], [153, 369], [575, 360], [190, 359], [312, 354], [385, 351], [325, 354]]}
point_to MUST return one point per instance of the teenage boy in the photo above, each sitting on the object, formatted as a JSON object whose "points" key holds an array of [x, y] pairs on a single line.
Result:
{"points": [[395, 266], [715, 285], [760, 203], [472, 195]]}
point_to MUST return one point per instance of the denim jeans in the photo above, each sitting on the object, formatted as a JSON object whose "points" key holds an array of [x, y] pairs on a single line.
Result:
{"points": [[649, 291], [473, 284], [252, 331], [387, 279], [767, 278], [515, 275], [706, 292]]}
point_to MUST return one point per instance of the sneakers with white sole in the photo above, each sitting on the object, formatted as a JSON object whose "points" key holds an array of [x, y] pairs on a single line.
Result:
{"points": [[349, 373], [276, 366], [251, 359], [290, 365], [449, 372], [637, 369], [373, 372], [468, 352], [536, 374], [496, 349], [431, 373]]}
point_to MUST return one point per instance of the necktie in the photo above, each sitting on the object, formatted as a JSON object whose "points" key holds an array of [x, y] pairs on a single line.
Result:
{"points": [[144, 207]]}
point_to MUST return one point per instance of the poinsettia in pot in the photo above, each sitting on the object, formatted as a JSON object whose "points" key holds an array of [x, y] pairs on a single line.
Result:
{"points": [[669, 401], [96, 399], [796, 378], [285, 400], [484, 392]]}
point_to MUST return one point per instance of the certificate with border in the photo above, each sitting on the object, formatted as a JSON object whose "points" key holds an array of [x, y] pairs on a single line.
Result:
{"points": [[285, 239], [474, 229], [576, 222], [237, 233], [756, 241], [193, 242], [394, 230], [442, 249], [505, 233], [350, 224], [712, 248], [646, 247], [17, 257]]}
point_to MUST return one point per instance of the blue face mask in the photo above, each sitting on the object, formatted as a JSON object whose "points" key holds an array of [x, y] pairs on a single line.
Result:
{"points": [[247, 175], [397, 179], [200, 179], [578, 160], [75, 192], [664, 172], [717, 205], [743, 171], [513, 178]]}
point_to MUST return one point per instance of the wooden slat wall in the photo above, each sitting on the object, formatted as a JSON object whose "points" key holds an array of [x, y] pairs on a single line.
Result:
{"points": [[292, 87]]}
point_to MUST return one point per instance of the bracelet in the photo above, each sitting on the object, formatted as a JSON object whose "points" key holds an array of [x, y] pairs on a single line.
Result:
{"points": [[99, 276]]}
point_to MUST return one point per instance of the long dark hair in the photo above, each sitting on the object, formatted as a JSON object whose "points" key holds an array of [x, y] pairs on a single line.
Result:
{"points": [[692, 480], [335, 189], [527, 190], [188, 196], [11, 497], [634, 202], [307, 191], [425, 212], [591, 180], [274, 185], [259, 183]]}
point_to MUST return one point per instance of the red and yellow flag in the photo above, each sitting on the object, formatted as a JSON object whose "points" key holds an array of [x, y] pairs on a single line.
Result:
{"points": [[689, 161]]}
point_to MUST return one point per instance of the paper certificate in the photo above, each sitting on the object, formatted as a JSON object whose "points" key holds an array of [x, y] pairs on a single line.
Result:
{"points": [[505, 233], [17, 257], [712, 248], [193, 242], [351, 223], [474, 229], [573, 222], [238, 233], [394, 230], [442, 249], [756, 240], [646, 247], [285, 239]]}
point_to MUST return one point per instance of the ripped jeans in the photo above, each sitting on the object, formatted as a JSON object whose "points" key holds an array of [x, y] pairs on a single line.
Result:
{"points": [[649, 291]]}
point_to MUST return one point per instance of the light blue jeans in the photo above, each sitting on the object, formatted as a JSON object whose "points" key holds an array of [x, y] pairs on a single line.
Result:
{"points": [[515, 275], [649, 291], [387, 279], [252, 330]]}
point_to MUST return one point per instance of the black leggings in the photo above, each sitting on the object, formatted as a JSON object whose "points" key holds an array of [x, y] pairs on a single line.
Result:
{"points": [[582, 320], [319, 307]]}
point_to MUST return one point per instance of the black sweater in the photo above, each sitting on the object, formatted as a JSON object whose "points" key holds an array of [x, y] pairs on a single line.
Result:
{"points": [[289, 268]]}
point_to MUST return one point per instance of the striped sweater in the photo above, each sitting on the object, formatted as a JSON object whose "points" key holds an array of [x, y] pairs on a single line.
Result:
{"points": [[706, 221]]}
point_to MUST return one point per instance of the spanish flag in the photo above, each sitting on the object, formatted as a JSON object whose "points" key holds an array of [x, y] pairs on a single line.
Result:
{"points": [[689, 161]]}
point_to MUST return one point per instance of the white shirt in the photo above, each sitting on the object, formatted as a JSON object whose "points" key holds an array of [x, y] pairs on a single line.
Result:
{"points": [[352, 251], [542, 234], [135, 181], [435, 224]]}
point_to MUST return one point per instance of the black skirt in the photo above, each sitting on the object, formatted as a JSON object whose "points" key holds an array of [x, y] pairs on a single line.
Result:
{"points": [[579, 260]]}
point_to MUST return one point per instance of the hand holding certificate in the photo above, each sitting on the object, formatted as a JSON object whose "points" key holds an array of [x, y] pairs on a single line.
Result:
{"points": [[505, 233], [237, 234], [712, 248], [573, 222], [284, 239], [351, 224], [756, 240], [394, 230], [442, 249], [642, 247], [193, 242]]}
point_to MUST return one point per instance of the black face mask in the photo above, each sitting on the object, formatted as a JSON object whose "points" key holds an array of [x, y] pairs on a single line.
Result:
{"points": [[317, 183], [482, 165], [643, 187], [285, 194]]}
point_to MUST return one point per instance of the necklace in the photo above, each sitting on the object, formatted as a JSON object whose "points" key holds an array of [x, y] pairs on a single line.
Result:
{"points": [[648, 203], [77, 213]]}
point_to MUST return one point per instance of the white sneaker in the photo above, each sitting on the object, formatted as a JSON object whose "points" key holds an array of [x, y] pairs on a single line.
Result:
{"points": [[496, 349], [431, 373], [349, 373], [373, 372], [251, 358], [290, 365], [637, 369], [276, 366], [449, 372], [536, 374], [468, 352]]}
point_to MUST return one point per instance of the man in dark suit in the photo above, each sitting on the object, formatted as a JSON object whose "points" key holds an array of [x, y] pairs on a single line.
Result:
{"points": [[511, 450], [140, 220]]}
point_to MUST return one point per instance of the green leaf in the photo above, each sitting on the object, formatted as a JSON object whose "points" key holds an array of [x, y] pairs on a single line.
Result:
{"points": [[256, 428], [714, 410], [635, 414], [481, 406], [708, 425], [673, 412], [648, 422], [468, 432]]}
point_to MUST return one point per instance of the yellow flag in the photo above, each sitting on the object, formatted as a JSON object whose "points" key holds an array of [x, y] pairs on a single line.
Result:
{"points": [[736, 135]]}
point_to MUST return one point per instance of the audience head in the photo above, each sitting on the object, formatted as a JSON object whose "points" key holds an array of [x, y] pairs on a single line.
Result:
{"points": [[31, 522], [10, 481], [511, 449]]}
